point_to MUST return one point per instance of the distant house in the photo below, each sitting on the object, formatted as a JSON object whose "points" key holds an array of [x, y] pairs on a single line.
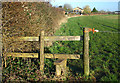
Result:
{"points": [[78, 10], [117, 12]]}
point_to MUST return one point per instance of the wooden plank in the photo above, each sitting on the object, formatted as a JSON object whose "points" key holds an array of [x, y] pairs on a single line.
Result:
{"points": [[86, 51], [65, 68], [5, 62], [61, 66], [25, 55], [49, 38], [58, 70], [59, 62], [25, 39], [62, 56], [35, 55], [62, 38], [41, 52]]}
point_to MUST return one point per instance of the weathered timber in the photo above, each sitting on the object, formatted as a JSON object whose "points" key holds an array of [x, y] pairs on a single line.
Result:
{"points": [[86, 51], [25, 38], [62, 56], [49, 38], [41, 51], [58, 70], [60, 66], [64, 68], [63, 38], [35, 55], [59, 62], [5, 62], [25, 55]]}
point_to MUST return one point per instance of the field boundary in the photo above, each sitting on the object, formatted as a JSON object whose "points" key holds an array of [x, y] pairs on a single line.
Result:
{"points": [[62, 58]]}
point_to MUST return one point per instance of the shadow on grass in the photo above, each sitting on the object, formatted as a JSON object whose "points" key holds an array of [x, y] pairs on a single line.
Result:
{"points": [[76, 66]]}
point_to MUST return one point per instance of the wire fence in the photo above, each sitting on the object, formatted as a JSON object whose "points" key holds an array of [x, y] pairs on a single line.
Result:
{"points": [[108, 32]]}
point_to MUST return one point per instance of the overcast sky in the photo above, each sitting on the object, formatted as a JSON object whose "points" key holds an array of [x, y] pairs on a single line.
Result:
{"points": [[107, 5]]}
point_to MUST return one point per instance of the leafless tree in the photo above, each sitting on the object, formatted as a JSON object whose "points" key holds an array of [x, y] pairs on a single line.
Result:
{"points": [[68, 6], [87, 9]]}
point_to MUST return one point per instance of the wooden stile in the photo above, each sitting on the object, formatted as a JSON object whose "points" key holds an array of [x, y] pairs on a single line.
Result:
{"points": [[60, 66], [62, 58]]}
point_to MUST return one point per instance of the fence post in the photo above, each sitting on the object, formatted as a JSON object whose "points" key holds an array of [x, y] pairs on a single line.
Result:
{"points": [[86, 51], [41, 39]]}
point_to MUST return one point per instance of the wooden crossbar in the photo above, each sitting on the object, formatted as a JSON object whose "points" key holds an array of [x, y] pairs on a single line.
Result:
{"points": [[35, 55], [59, 61], [27, 55], [49, 38], [26, 39], [63, 56], [62, 38]]}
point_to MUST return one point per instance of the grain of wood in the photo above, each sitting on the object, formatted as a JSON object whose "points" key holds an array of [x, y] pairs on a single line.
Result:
{"points": [[62, 56], [86, 51], [35, 55], [25, 38], [59, 62], [60, 66], [25, 55], [58, 70], [49, 38], [63, 38], [42, 52]]}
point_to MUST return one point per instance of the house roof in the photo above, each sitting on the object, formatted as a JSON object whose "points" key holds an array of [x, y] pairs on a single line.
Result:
{"points": [[117, 11], [79, 8]]}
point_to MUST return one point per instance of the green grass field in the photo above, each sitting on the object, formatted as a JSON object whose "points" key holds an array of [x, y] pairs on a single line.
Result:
{"points": [[104, 47]]}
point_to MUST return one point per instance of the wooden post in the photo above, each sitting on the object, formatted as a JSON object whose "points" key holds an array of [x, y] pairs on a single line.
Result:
{"points": [[86, 51], [42, 52], [64, 67], [5, 61], [58, 70], [60, 66]]}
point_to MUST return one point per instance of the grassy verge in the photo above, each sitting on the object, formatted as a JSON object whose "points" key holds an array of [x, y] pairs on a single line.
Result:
{"points": [[104, 47]]}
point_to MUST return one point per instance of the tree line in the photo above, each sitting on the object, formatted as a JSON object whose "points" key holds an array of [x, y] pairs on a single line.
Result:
{"points": [[87, 9]]}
